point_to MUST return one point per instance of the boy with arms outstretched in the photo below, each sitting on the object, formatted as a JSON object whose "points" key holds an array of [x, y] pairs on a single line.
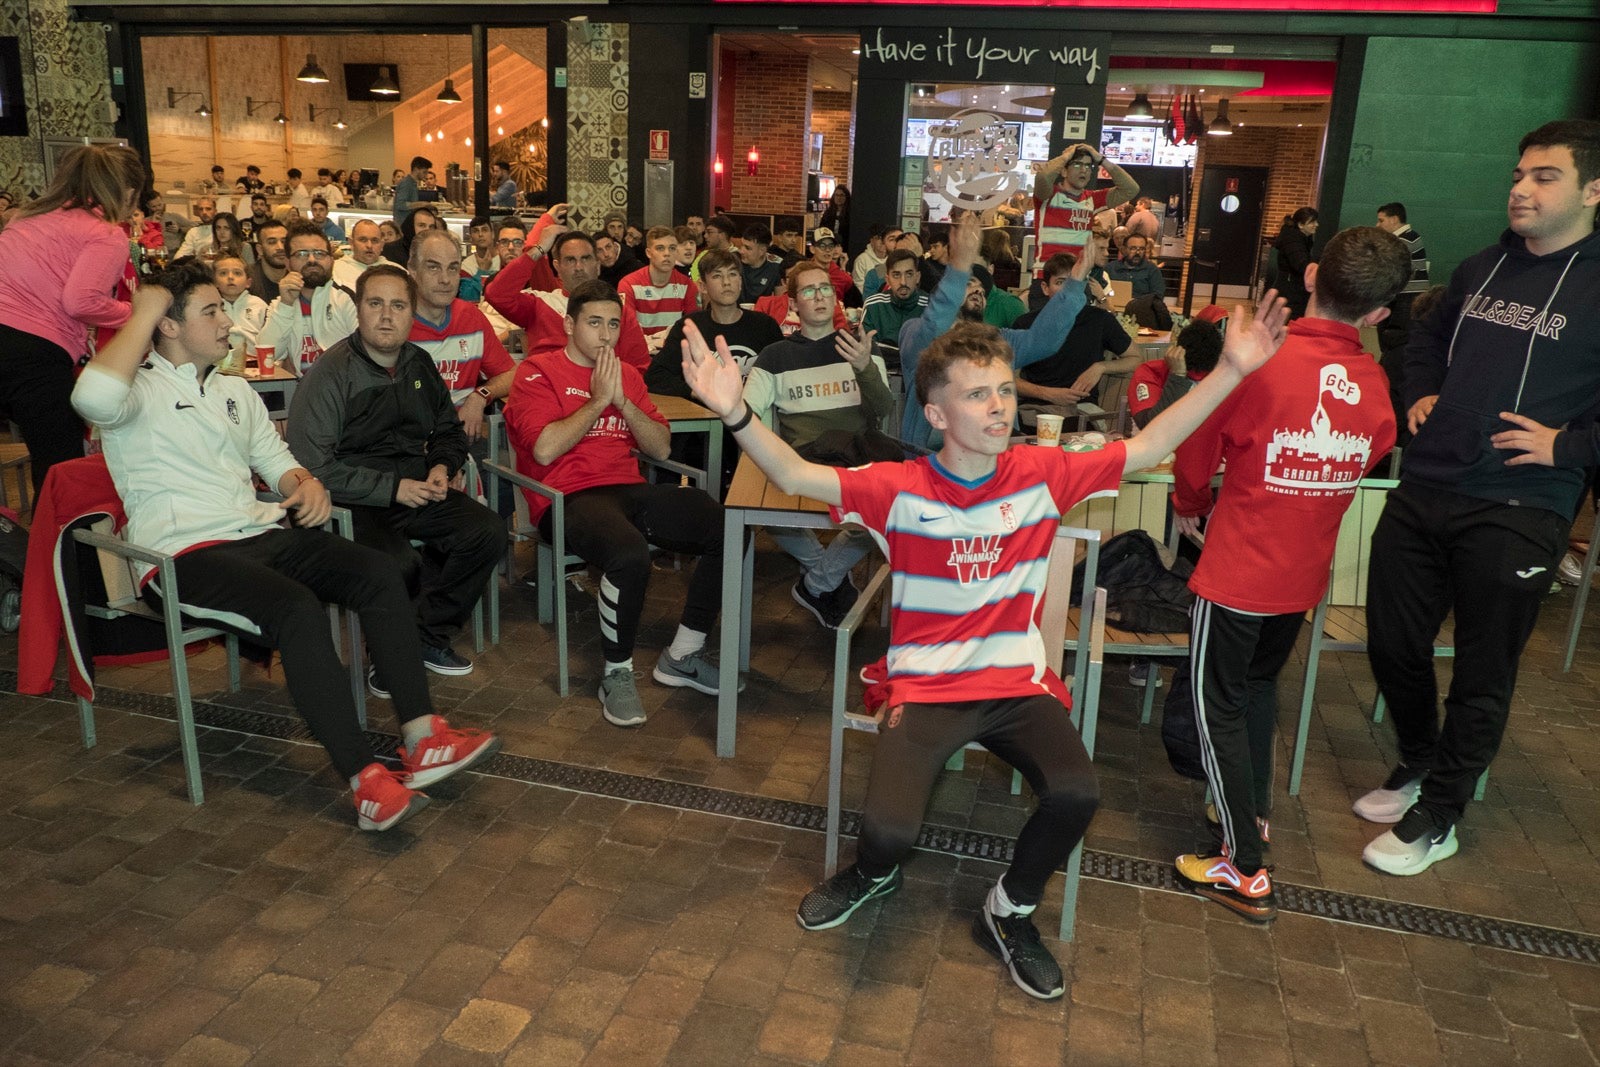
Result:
{"points": [[968, 532]]}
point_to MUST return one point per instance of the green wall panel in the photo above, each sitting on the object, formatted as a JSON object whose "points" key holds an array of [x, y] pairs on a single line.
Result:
{"points": [[1437, 127]]}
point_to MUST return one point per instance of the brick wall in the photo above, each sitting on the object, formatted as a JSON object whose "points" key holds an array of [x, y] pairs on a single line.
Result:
{"points": [[833, 116], [772, 100], [1292, 156]]}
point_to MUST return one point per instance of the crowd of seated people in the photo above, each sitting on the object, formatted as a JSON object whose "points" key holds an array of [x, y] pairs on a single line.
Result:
{"points": [[406, 343]]}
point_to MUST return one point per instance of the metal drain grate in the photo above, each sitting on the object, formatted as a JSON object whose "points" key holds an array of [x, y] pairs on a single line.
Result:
{"points": [[1107, 867]]}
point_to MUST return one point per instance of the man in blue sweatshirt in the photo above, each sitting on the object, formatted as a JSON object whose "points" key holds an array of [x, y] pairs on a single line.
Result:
{"points": [[955, 297], [1502, 386]]}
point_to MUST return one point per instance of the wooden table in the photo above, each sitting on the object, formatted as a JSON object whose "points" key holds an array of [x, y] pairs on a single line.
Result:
{"points": [[752, 501], [686, 416]]}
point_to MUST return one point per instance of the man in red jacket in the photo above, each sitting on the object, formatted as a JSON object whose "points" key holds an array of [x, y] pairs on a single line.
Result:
{"points": [[1296, 436], [542, 313]]}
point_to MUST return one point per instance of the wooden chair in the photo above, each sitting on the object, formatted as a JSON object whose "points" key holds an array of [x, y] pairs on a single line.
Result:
{"points": [[1085, 687], [552, 558]]}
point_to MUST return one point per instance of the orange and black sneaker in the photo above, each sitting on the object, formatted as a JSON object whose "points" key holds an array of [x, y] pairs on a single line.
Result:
{"points": [[1216, 878]]}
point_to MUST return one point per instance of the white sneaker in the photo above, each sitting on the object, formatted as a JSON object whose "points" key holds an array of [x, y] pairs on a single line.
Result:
{"points": [[1570, 570], [1391, 855], [1388, 804]]}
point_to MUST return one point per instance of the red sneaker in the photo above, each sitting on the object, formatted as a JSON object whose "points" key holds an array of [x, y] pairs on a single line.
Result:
{"points": [[382, 800], [445, 752]]}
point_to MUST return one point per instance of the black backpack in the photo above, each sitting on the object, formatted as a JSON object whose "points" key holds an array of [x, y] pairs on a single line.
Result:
{"points": [[1149, 311], [1142, 595]]}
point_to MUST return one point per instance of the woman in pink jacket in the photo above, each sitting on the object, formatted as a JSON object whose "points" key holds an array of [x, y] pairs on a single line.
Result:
{"points": [[61, 257]]}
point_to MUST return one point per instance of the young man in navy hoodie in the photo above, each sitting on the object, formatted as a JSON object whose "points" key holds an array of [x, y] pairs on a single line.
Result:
{"points": [[1502, 384], [1297, 436]]}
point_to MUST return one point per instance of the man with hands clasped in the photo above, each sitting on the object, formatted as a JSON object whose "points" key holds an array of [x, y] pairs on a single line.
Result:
{"points": [[574, 418], [182, 442], [375, 422], [969, 532]]}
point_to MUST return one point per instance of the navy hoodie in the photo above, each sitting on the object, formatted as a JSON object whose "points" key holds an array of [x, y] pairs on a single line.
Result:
{"points": [[1514, 332]]}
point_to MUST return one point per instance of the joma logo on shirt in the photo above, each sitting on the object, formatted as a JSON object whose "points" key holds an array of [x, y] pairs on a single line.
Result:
{"points": [[574, 391], [974, 558]]}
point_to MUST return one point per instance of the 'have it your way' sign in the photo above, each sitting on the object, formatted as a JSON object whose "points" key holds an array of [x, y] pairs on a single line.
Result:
{"points": [[985, 55]]}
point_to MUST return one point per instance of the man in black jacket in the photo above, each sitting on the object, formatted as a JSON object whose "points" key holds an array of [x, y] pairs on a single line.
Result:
{"points": [[374, 421], [1501, 381]]}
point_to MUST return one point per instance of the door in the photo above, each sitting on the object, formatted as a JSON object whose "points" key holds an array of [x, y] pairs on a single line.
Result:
{"points": [[1228, 223]]}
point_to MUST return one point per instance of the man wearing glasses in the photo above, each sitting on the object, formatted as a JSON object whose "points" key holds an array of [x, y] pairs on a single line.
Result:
{"points": [[1064, 204], [829, 390], [312, 313]]}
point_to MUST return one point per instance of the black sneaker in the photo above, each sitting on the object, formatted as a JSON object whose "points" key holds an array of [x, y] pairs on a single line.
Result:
{"points": [[844, 598], [445, 660], [823, 608], [1015, 943], [835, 900]]}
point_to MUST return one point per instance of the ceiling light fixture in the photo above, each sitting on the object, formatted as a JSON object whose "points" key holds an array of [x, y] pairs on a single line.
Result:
{"points": [[312, 73], [385, 83], [1220, 126], [448, 94], [1140, 108]]}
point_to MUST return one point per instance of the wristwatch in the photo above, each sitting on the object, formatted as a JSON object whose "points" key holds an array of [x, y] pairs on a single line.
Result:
{"points": [[483, 391]]}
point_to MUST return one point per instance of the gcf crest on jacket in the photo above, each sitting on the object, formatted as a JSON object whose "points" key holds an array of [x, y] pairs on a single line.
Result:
{"points": [[1319, 460]]}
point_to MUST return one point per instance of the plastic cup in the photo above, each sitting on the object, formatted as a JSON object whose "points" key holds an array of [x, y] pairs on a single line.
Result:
{"points": [[266, 355], [1048, 429]]}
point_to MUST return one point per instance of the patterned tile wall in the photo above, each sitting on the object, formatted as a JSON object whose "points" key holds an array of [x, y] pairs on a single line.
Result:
{"points": [[597, 123], [66, 83]]}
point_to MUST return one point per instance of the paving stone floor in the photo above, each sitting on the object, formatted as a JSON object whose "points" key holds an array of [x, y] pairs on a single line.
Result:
{"points": [[519, 924]]}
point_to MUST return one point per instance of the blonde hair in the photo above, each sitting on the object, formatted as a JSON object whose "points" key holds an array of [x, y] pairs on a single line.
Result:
{"points": [[90, 177]]}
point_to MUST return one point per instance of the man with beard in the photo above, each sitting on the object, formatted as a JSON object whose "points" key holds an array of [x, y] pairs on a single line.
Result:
{"points": [[960, 296], [1135, 266], [260, 215], [310, 314], [374, 421], [887, 312], [199, 235], [826, 384], [542, 313], [366, 250], [272, 259]]}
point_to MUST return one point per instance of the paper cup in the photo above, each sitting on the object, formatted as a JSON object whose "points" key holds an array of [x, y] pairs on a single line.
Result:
{"points": [[265, 356], [1049, 429]]}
